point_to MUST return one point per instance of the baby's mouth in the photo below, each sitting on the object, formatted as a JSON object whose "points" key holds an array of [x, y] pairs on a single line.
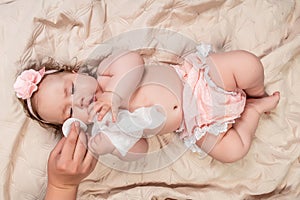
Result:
{"points": [[92, 100]]}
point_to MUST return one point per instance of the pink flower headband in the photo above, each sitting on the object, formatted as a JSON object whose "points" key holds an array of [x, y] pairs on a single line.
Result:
{"points": [[27, 83]]}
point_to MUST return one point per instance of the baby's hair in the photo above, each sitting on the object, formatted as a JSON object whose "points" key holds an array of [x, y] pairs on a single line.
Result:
{"points": [[49, 64]]}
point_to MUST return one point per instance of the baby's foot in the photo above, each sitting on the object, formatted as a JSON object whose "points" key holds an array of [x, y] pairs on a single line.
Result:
{"points": [[264, 104]]}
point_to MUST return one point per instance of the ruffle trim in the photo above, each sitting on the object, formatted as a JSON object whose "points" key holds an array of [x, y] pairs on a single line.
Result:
{"points": [[215, 129], [203, 51]]}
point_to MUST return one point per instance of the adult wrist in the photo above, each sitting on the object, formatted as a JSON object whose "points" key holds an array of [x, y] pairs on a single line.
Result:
{"points": [[54, 192]]}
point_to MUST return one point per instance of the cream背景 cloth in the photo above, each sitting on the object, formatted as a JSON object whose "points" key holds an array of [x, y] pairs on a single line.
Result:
{"points": [[70, 31]]}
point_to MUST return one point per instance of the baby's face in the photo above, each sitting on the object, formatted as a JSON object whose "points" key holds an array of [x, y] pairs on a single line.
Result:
{"points": [[64, 95]]}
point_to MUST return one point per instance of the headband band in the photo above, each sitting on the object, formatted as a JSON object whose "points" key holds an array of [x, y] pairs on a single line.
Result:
{"points": [[27, 83]]}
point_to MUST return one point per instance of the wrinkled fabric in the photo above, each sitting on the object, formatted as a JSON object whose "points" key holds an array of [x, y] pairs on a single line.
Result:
{"points": [[69, 31]]}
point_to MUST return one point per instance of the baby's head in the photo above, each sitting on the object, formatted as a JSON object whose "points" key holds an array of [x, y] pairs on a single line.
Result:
{"points": [[52, 96]]}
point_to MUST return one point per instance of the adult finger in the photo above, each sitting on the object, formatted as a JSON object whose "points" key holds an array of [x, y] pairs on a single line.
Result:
{"points": [[58, 147], [71, 141], [90, 160], [81, 147]]}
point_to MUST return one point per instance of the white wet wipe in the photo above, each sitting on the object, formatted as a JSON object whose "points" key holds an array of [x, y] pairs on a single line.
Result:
{"points": [[67, 125], [128, 129]]}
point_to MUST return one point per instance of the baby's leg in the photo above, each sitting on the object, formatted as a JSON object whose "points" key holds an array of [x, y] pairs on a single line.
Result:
{"points": [[238, 69], [236, 142]]}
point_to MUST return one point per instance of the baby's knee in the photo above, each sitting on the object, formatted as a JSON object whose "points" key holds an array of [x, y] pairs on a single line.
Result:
{"points": [[251, 60], [231, 157]]}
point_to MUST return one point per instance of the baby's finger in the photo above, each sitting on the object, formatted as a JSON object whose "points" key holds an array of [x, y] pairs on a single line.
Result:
{"points": [[91, 116], [94, 106], [103, 111], [93, 111], [114, 111], [91, 107]]}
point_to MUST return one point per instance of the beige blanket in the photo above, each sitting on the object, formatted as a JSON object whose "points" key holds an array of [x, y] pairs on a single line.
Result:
{"points": [[70, 31]]}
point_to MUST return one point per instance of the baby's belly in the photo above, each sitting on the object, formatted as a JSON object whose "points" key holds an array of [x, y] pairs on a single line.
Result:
{"points": [[155, 94], [161, 86]]}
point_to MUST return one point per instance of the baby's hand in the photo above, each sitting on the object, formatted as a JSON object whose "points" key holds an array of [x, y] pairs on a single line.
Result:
{"points": [[98, 107], [108, 101]]}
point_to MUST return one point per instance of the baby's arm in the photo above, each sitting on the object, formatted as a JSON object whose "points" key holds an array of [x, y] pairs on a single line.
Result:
{"points": [[118, 77], [136, 152]]}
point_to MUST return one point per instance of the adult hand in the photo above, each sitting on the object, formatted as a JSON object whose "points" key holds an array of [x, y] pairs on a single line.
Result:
{"points": [[68, 164]]}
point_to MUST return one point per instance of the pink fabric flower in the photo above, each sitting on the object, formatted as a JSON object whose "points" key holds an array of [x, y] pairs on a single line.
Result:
{"points": [[26, 83]]}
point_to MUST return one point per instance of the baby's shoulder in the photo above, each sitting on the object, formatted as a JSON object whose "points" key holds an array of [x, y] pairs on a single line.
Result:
{"points": [[121, 60]]}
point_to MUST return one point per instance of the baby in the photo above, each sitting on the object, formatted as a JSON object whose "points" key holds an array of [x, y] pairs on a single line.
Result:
{"points": [[53, 96], [203, 99]]}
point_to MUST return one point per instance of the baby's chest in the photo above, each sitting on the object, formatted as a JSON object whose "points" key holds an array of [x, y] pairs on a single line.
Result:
{"points": [[159, 85], [151, 94]]}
